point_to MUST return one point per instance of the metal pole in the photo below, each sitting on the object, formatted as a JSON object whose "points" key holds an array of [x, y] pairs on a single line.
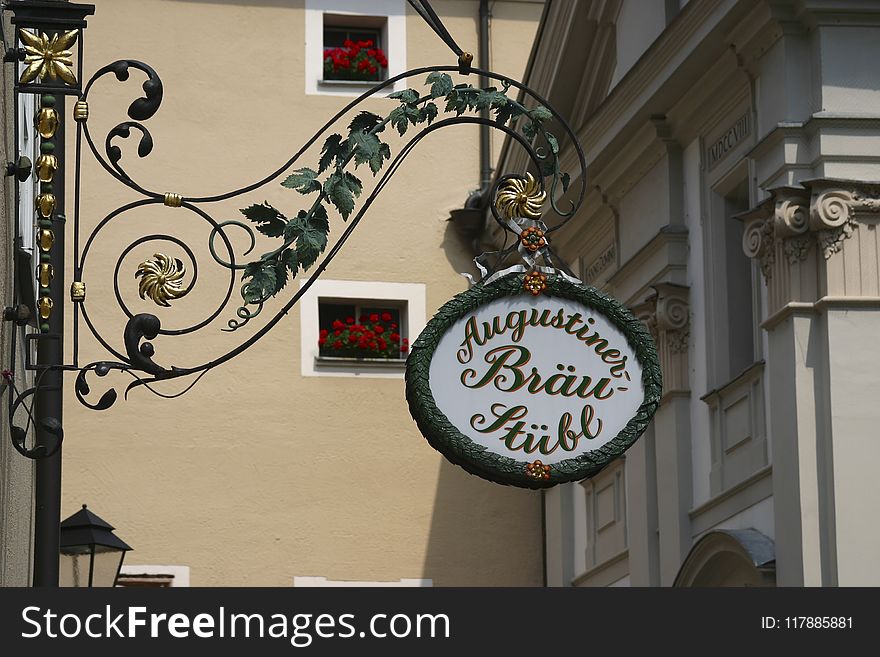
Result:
{"points": [[48, 402], [43, 20], [483, 53]]}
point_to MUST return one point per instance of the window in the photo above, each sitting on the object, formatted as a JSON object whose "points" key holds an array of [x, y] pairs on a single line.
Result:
{"points": [[359, 328], [353, 48], [366, 329], [347, 51], [734, 287], [29, 147], [740, 284]]}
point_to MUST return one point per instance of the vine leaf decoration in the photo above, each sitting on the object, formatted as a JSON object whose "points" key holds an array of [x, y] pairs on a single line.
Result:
{"points": [[48, 58], [304, 236]]}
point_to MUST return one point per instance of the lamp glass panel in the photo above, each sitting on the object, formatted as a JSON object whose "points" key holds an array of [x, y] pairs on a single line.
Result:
{"points": [[74, 567]]}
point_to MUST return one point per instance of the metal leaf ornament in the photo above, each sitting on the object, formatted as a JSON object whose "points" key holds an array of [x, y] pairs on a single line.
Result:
{"points": [[161, 279], [48, 58], [520, 197]]}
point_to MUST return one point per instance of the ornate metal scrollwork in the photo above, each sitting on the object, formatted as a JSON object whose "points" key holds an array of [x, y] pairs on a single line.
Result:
{"points": [[301, 236]]}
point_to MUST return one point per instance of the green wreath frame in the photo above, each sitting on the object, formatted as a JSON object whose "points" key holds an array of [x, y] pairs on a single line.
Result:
{"points": [[478, 460]]}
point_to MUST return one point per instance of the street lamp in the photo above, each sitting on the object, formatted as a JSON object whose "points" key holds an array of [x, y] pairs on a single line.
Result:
{"points": [[91, 555]]}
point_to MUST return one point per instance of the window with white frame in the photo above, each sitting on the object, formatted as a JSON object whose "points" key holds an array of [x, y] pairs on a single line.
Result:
{"points": [[359, 328], [29, 147], [351, 45]]}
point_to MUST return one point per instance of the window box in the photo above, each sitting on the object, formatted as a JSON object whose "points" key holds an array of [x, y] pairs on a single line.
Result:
{"points": [[345, 363]]}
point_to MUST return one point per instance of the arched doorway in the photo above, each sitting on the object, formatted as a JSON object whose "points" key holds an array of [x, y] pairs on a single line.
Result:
{"points": [[730, 557]]}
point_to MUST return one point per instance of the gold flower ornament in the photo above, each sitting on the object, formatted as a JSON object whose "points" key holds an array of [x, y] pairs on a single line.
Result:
{"points": [[520, 197], [48, 58], [161, 279]]}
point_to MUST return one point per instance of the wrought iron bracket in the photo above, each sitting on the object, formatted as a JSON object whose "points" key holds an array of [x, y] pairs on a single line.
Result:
{"points": [[21, 169], [18, 314], [35, 339], [14, 55]]}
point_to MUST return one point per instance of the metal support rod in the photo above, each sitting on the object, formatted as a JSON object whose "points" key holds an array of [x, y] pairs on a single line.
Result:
{"points": [[483, 54], [48, 402]]}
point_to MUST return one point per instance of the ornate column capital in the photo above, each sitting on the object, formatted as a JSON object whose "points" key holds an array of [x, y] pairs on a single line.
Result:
{"points": [[831, 216], [759, 234], [666, 313], [791, 211], [823, 211], [782, 231]]}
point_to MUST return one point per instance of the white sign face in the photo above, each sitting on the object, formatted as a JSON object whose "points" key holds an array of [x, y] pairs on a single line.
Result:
{"points": [[528, 390], [536, 378]]}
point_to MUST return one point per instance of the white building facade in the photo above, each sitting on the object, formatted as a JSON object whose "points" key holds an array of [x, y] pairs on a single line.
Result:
{"points": [[733, 149]]}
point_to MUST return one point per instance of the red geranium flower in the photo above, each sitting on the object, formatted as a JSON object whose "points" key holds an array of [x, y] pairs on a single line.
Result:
{"points": [[354, 61], [374, 337]]}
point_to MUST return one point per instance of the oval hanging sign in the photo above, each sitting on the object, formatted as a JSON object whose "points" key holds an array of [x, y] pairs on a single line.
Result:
{"points": [[533, 390]]}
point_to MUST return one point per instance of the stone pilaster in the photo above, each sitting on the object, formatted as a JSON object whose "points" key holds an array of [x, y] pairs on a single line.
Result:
{"points": [[667, 315]]}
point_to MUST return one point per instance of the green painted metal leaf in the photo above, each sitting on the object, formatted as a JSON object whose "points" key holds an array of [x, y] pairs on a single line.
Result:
{"points": [[441, 84], [303, 180], [331, 149], [268, 220], [365, 121], [405, 96], [337, 190]]}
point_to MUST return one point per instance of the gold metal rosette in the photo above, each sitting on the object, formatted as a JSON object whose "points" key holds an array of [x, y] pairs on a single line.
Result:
{"points": [[48, 58], [520, 197], [161, 279]]}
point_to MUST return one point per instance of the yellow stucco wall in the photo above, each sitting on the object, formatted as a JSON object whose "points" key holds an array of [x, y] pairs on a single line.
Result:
{"points": [[259, 474]]}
